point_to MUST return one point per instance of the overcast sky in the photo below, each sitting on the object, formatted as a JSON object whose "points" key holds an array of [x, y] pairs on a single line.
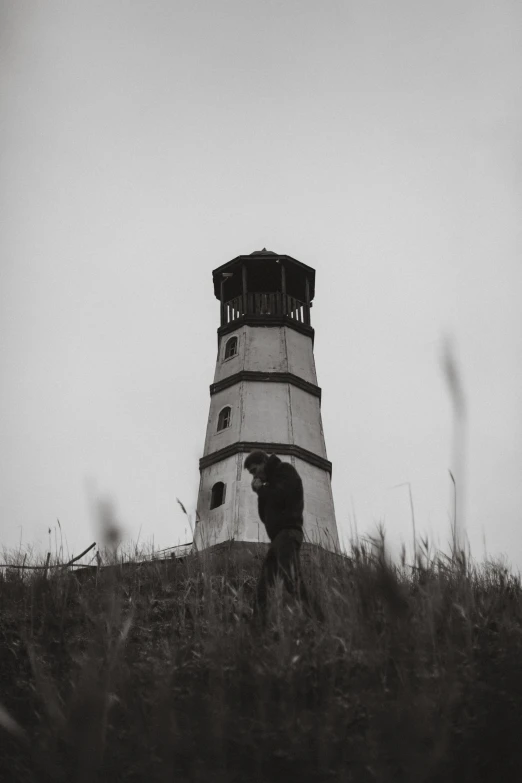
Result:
{"points": [[145, 143]]}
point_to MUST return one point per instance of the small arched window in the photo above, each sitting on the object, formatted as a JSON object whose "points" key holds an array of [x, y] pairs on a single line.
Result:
{"points": [[217, 496], [224, 419], [231, 348]]}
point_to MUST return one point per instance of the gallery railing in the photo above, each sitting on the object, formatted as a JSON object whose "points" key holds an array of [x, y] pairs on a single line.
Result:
{"points": [[268, 304]]}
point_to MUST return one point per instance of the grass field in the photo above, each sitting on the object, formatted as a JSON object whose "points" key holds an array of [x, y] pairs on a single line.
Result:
{"points": [[154, 672]]}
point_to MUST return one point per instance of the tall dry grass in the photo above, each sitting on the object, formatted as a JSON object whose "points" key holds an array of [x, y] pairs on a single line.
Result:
{"points": [[154, 672]]}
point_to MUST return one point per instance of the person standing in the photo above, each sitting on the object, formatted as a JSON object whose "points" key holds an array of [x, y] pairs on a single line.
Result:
{"points": [[280, 500]]}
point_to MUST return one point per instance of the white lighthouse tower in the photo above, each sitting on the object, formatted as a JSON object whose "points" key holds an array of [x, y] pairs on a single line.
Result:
{"points": [[264, 396]]}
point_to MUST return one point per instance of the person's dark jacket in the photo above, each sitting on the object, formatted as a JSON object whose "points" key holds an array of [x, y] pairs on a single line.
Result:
{"points": [[280, 499]]}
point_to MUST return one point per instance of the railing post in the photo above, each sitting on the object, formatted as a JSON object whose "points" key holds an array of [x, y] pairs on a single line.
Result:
{"points": [[222, 298], [244, 277], [283, 288], [307, 302]]}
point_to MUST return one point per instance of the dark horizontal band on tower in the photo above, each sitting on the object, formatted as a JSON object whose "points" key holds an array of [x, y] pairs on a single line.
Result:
{"points": [[267, 320], [271, 377], [287, 449]]}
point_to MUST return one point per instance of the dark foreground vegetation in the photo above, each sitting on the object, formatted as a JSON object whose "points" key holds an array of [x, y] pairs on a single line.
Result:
{"points": [[153, 672]]}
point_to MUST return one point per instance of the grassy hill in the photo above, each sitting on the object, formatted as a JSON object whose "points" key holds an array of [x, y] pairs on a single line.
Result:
{"points": [[154, 672]]}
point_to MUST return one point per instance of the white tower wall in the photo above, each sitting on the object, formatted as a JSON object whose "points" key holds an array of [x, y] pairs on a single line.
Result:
{"points": [[238, 518], [268, 349]]}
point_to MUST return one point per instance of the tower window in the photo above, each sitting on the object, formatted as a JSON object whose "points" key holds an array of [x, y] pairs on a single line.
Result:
{"points": [[217, 497], [224, 419], [231, 348]]}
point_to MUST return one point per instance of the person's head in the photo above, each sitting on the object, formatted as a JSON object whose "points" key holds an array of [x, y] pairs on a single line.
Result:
{"points": [[255, 463]]}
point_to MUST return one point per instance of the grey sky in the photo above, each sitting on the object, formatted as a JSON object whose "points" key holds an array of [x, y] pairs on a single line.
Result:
{"points": [[145, 143]]}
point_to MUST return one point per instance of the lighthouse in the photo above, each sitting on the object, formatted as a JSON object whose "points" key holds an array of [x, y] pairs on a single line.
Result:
{"points": [[264, 396]]}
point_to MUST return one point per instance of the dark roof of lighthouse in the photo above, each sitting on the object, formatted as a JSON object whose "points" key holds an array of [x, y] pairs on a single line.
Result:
{"points": [[267, 256]]}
